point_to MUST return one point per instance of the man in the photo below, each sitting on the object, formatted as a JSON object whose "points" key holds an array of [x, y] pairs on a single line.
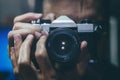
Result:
{"points": [[23, 35]]}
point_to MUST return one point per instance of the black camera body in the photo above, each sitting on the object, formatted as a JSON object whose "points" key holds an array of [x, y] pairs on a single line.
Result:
{"points": [[65, 36]]}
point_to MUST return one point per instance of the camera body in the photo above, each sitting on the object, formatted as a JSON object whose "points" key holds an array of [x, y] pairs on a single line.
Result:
{"points": [[65, 36]]}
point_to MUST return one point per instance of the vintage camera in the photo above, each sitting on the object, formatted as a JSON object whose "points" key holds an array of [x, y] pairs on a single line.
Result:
{"points": [[65, 36]]}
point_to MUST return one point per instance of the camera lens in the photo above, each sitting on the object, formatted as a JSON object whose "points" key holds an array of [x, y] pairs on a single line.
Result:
{"points": [[63, 45]]}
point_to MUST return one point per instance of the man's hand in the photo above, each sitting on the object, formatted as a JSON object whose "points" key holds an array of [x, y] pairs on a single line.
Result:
{"points": [[20, 49]]}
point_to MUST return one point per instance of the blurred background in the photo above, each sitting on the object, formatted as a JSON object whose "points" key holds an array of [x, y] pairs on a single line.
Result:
{"points": [[11, 8]]}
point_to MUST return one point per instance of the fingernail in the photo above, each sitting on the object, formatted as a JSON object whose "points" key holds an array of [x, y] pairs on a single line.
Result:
{"points": [[30, 36], [83, 45], [38, 15]]}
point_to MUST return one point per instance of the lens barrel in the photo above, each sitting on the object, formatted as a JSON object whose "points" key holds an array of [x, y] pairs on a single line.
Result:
{"points": [[63, 45]]}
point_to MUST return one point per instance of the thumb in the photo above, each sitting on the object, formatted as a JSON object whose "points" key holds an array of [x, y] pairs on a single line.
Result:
{"points": [[84, 57]]}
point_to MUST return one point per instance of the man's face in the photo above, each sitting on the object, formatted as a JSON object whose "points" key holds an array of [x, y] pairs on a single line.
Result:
{"points": [[75, 9]]}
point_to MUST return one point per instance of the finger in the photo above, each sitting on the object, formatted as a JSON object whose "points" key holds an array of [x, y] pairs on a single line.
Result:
{"points": [[23, 32], [83, 45], [37, 35], [13, 58], [42, 58], [24, 53], [17, 44], [14, 61], [23, 29], [27, 17], [11, 34], [11, 43], [26, 69], [50, 16], [45, 33], [84, 51], [84, 57], [24, 59], [20, 25]]}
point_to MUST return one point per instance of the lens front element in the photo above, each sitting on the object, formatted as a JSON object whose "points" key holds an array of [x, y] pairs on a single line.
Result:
{"points": [[63, 45]]}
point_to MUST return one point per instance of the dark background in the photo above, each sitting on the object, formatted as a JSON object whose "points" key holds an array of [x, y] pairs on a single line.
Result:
{"points": [[6, 18]]}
